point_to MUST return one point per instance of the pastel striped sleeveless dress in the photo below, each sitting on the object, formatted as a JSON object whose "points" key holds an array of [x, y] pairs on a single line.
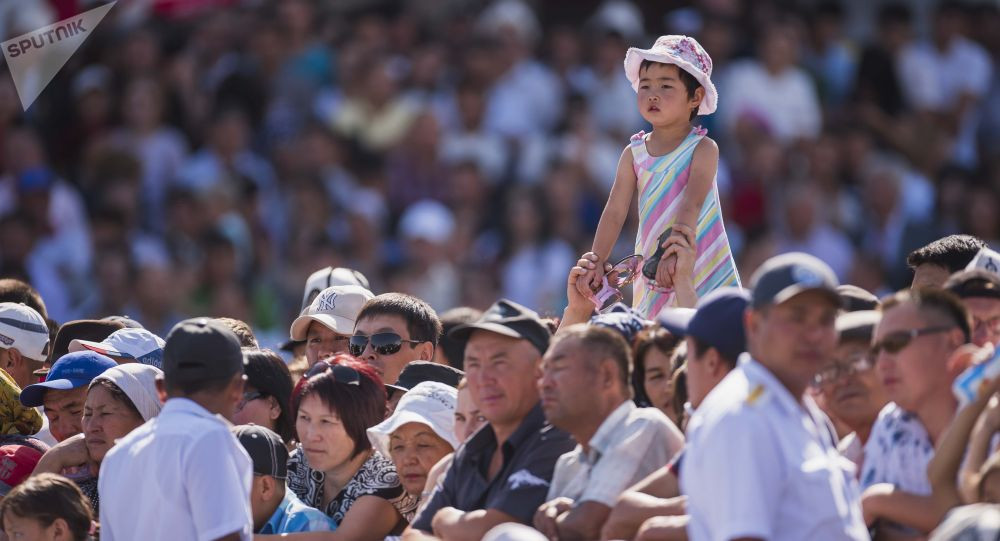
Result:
{"points": [[661, 183]]}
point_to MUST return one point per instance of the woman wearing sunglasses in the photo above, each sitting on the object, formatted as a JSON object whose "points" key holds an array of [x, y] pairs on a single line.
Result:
{"points": [[334, 467], [267, 396]]}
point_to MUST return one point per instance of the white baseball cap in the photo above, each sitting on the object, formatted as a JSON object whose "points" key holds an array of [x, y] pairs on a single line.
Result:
{"points": [[23, 329], [335, 307], [329, 277], [429, 403], [138, 344]]}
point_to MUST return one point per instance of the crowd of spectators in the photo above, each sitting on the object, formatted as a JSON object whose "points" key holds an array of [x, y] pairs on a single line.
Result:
{"points": [[204, 157]]}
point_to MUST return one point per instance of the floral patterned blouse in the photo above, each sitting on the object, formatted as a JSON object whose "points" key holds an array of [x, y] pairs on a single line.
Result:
{"points": [[376, 477]]}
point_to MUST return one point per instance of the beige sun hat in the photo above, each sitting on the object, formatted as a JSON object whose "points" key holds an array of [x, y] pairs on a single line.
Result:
{"points": [[685, 53]]}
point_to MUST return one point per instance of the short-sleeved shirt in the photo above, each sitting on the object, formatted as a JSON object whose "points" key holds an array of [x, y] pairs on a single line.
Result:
{"points": [[376, 477], [181, 475], [630, 444], [759, 463], [293, 516], [529, 459], [898, 452]]}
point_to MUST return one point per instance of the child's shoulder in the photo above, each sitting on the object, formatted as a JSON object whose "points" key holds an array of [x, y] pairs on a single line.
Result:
{"points": [[707, 148]]}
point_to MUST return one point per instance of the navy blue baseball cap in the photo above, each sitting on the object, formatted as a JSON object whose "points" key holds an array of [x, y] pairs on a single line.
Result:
{"points": [[716, 321], [71, 371]]}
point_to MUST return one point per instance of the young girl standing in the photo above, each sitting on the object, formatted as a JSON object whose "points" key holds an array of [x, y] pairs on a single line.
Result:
{"points": [[673, 170]]}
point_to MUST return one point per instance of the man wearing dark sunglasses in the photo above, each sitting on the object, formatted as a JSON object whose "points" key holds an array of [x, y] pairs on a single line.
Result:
{"points": [[392, 330], [761, 460], [912, 348]]}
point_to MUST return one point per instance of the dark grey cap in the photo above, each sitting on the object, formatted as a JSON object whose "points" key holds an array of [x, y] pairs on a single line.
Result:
{"points": [[855, 299], [199, 349], [858, 326], [420, 371], [266, 449], [508, 318], [787, 275]]}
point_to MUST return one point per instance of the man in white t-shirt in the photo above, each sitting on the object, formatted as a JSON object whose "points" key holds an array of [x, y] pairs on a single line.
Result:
{"points": [[919, 331], [183, 475], [761, 460]]}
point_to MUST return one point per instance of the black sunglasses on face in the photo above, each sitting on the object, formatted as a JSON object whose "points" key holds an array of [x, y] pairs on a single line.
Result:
{"points": [[341, 374], [384, 343], [895, 342]]}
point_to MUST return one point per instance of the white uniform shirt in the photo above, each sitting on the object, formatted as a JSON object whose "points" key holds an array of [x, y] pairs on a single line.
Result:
{"points": [[629, 445], [759, 464], [182, 475], [898, 452]]}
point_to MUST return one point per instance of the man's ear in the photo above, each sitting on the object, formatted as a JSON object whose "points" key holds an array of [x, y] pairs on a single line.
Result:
{"points": [[14, 359], [426, 351], [161, 390], [267, 486]]}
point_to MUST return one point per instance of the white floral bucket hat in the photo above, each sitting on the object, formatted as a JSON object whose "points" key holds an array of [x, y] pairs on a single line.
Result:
{"points": [[684, 52]]}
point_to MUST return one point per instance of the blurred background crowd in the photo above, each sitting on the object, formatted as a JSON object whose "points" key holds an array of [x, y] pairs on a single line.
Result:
{"points": [[204, 156]]}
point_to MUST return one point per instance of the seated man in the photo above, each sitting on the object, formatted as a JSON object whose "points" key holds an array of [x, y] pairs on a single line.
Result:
{"points": [[275, 510], [919, 331], [501, 474], [394, 329], [715, 338], [326, 324], [586, 391], [849, 384], [979, 291], [65, 390], [934, 263]]}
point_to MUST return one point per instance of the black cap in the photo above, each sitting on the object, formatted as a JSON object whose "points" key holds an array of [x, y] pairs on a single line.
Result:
{"points": [[974, 283], [266, 449], [92, 330], [128, 322], [420, 371], [854, 298], [508, 318], [787, 275], [200, 349], [858, 326]]}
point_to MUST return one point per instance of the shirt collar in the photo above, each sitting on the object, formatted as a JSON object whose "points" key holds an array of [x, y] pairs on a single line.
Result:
{"points": [[186, 405], [485, 439], [272, 525], [758, 374], [601, 439]]}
